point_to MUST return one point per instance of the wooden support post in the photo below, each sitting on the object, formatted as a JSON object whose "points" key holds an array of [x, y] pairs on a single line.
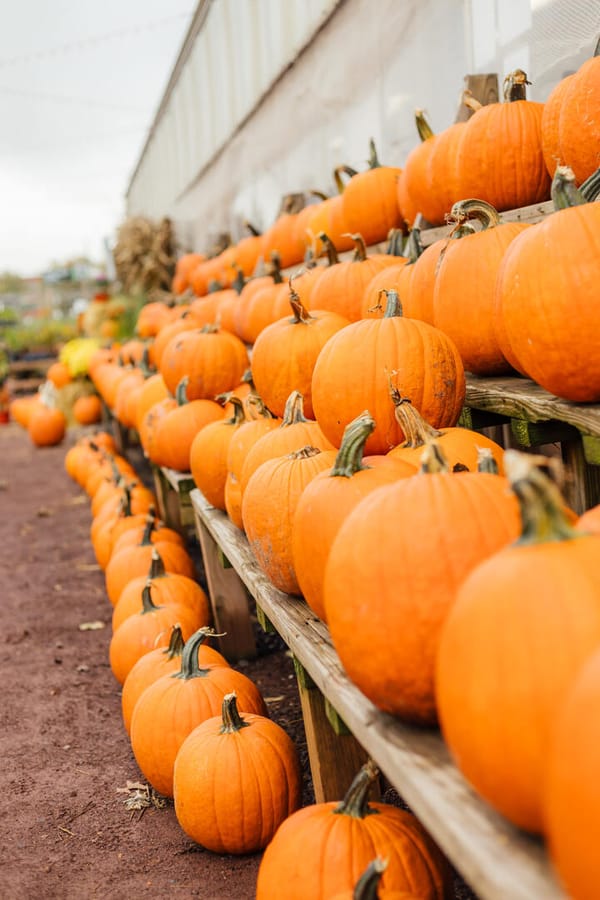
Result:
{"points": [[484, 88], [582, 481], [335, 755], [534, 434], [228, 599]]}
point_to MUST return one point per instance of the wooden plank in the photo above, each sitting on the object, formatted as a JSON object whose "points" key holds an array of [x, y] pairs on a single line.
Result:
{"points": [[229, 600], [521, 398], [483, 88], [334, 758], [496, 859], [182, 483]]}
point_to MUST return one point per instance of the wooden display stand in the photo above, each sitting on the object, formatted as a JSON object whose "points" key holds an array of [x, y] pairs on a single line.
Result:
{"points": [[172, 491]]}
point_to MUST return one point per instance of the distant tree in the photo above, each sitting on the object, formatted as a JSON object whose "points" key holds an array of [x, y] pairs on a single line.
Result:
{"points": [[11, 283]]}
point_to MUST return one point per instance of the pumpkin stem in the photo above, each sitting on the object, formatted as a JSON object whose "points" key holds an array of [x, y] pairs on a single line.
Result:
{"points": [[148, 604], [332, 256], [261, 409], [145, 367], [232, 721], [251, 228], [368, 883], [238, 282], [591, 187], [275, 268], [564, 191], [125, 505], [396, 240], [304, 452], [147, 535], [466, 210], [423, 127], [349, 457], [486, 461], [238, 411], [301, 314], [413, 245], [157, 566], [543, 516], [360, 251], [417, 431], [176, 643], [190, 667], [181, 391], [337, 176], [355, 803], [433, 459], [393, 307], [294, 410], [515, 86], [214, 286], [373, 161]]}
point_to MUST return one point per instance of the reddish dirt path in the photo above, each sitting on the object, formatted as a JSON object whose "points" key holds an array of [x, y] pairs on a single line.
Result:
{"points": [[67, 833]]}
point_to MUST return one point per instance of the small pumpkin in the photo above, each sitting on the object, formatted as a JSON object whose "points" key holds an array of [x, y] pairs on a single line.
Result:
{"points": [[208, 453], [175, 704], [47, 426], [87, 410], [260, 763], [175, 432], [369, 200], [213, 361], [59, 374]]}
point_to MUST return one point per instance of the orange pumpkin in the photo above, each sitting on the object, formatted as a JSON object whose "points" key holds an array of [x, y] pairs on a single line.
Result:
{"points": [[369, 200], [551, 148], [414, 187], [47, 426], [59, 374], [579, 123], [262, 766], [87, 410], [213, 360], [239, 446], [208, 454], [338, 840], [174, 434]]}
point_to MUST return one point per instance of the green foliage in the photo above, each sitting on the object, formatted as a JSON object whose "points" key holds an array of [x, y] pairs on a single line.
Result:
{"points": [[43, 334]]}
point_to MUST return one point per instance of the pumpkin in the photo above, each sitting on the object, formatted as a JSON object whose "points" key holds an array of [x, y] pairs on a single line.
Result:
{"points": [[21, 409], [327, 500], [551, 148], [341, 287], [87, 410], [442, 173], [169, 588], [208, 454], [328, 217], [147, 629], [183, 270], [186, 322], [47, 426], [158, 662], [248, 250], [133, 561], [419, 283], [133, 380], [369, 200], [393, 572], [249, 291], [571, 802], [269, 503], [132, 352], [463, 307], [213, 360], [282, 238], [415, 191], [59, 374], [152, 317], [159, 532], [150, 423], [177, 430], [338, 840], [355, 366], [175, 704], [460, 446], [500, 157], [261, 766], [152, 391], [544, 312], [294, 431], [239, 446], [579, 124], [524, 622]]}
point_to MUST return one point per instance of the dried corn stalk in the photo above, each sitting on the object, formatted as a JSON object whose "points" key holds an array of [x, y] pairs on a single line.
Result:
{"points": [[145, 255]]}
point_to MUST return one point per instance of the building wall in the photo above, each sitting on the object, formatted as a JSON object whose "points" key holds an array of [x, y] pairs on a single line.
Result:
{"points": [[275, 93]]}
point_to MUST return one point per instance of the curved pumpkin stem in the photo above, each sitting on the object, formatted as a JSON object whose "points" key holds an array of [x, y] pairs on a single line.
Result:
{"points": [[275, 267], [417, 431], [564, 191], [396, 241], [190, 667], [181, 391], [423, 127], [337, 176], [360, 250], [366, 887], [466, 210], [157, 566], [413, 245], [543, 516], [373, 161], [148, 604], [294, 410], [301, 314], [355, 803], [433, 459], [332, 256], [232, 721], [590, 188], [146, 540], [239, 414], [176, 643], [304, 452], [349, 457], [515, 86]]}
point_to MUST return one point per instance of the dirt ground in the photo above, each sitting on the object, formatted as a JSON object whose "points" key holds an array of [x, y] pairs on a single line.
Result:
{"points": [[67, 833]]}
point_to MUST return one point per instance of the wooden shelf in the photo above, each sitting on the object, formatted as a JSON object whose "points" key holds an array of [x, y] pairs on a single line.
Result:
{"points": [[496, 859]]}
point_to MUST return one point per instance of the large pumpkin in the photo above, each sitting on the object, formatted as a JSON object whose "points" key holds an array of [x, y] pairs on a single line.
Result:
{"points": [[47, 426], [579, 122], [236, 778], [393, 573], [213, 360], [551, 148], [546, 314], [338, 840], [174, 705], [355, 367], [523, 624]]}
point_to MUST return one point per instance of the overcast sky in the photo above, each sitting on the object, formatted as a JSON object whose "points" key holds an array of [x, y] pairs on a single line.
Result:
{"points": [[80, 82]]}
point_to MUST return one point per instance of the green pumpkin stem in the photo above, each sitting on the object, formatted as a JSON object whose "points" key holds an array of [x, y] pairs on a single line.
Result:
{"points": [[145, 367], [337, 176], [146, 540], [157, 566], [190, 667], [261, 409], [515, 86], [294, 410], [181, 391], [396, 241], [373, 161], [413, 245], [214, 286], [355, 803], [433, 459], [417, 432], [275, 268], [423, 127], [393, 307], [125, 505], [332, 257], [148, 604], [366, 887], [564, 191], [349, 457], [543, 516], [238, 411], [176, 643], [232, 721], [239, 281], [590, 189]]}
